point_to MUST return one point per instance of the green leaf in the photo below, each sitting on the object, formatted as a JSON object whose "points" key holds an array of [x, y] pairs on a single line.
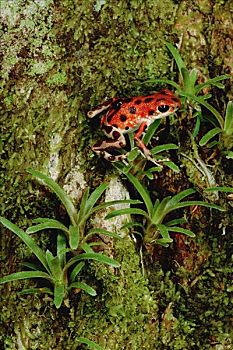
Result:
{"points": [[220, 188], [24, 275], [132, 155], [151, 131], [126, 211], [193, 75], [209, 82], [90, 343], [208, 106], [182, 230], [86, 247], [164, 233], [76, 271], [209, 135], [82, 208], [81, 285], [30, 266], [203, 204], [92, 256], [142, 191], [131, 225], [111, 203], [47, 224], [172, 166], [176, 222], [96, 194], [27, 240], [228, 123], [102, 232], [159, 210], [175, 53], [197, 125], [74, 237], [61, 249], [163, 242], [54, 265], [186, 80], [162, 148], [35, 291], [59, 294], [178, 197], [61, 194]]}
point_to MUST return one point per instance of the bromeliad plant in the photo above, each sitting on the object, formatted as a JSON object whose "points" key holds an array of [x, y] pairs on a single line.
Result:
{"points": [[189, 89], [156, 229], [62, 271]]}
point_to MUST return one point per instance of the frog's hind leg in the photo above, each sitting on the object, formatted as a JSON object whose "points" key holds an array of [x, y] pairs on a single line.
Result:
{"points": [[117, 141]]}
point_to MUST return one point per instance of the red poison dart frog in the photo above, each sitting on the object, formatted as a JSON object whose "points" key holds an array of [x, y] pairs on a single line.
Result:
{"points": [[126, 114]]}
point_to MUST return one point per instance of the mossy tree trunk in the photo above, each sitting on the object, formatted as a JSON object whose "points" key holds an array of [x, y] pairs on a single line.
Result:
{"points": [[58, 59]]}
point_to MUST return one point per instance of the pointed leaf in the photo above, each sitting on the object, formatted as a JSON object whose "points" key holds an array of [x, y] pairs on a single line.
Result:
{"points": [[172, 166], [182, 230], [228, 123], [209, 135], [203, 204], [175, 53], [61, 249], [164, 233], [74, 236], [81, 212], [142, 191], [48, 224], [92, 256], [87, 248], [59, 294], [30, 266], [76, 271], [81, 285], [24, 275], [90, 343], [178, 197], [96, 194], [27, 240], [220, 188], [111, 203], [35, 291], [151, 131], [209, 82], [102, 232], [126, 211], [58, 190], [54, 265], [175, 222], [162, 148]]}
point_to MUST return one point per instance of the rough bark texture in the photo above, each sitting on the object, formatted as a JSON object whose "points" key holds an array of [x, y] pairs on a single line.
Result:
{"points": [[58, 59]]}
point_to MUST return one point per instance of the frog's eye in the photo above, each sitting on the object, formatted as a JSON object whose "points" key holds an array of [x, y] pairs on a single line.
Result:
{"points": [[163, 108], [116, 104]]}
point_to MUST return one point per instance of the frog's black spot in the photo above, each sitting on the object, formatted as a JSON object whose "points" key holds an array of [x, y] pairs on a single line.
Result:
{"points": [[109, 117], [151, 112], [123, 118], [138, 102], [148, 99], [127, 128], [132, 110], [144, 128], [107, 128], [127, 99], [116, 135], [97, 144], [115, 126], [116, 105], [163, 108]]}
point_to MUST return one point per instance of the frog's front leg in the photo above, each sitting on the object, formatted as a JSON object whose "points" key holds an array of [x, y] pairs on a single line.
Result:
{"points": [[116, 141], [143, 147]]}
